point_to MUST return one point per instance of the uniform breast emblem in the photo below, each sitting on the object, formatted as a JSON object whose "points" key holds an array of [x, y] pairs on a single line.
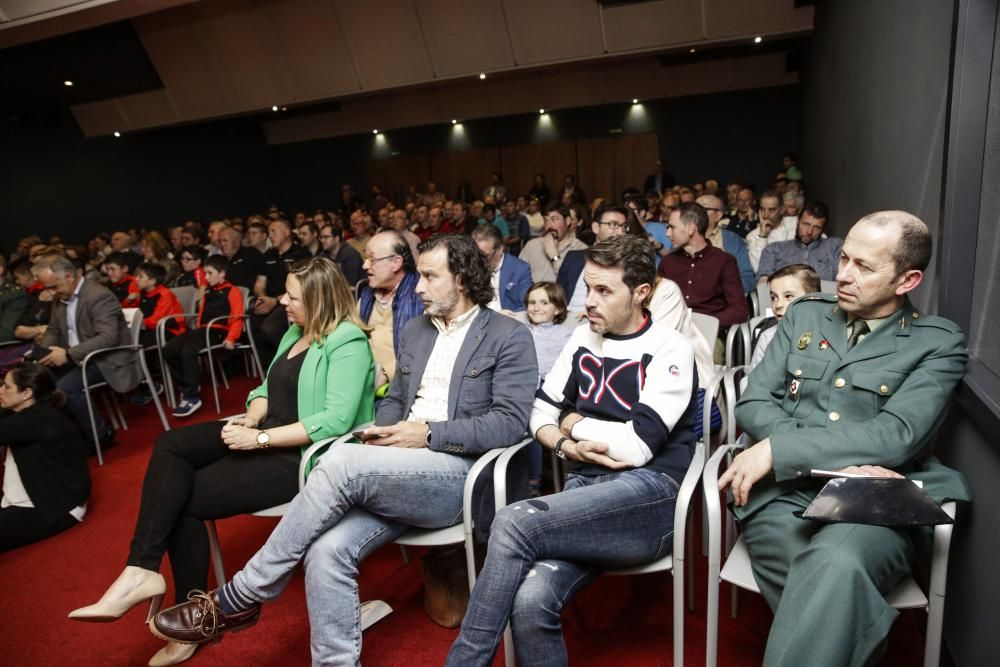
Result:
{"points": [[804, 340]]}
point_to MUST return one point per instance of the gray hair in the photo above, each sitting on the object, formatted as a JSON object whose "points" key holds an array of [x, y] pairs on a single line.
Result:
{"points": [[58, 264]]}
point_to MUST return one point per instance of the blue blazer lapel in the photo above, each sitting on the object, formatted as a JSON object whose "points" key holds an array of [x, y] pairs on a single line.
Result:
{"points": [[473, 339]]}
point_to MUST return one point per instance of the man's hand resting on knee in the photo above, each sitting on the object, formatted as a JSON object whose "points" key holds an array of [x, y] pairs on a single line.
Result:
{"points": [[412, 435], [748, 468]]}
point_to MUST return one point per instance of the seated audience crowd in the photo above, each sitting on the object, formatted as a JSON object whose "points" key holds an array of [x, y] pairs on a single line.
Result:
{"points": [[437, 329]]}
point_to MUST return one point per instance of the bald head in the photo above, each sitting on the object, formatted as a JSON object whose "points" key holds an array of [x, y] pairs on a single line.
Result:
{"points": [[709, 201], [913, 250]]}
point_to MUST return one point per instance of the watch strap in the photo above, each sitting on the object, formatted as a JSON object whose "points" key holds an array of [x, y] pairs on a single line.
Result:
{"points": [[558, 447]]}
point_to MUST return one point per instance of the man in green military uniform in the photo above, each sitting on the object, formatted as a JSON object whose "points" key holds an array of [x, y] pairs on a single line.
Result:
{"points": [[860, 379]]}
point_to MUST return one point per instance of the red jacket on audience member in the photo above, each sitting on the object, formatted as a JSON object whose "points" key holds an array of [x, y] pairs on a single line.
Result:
{"points": [[223, 299], [157, 303], [125, 288]]}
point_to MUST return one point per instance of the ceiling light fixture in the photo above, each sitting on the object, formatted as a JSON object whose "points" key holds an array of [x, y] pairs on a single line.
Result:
{"points": [[757, 39], [67, 83], [284, 108], [117, 133], [374, 131], [482, 75], [274, 108], [541, 111], [454, 121], [635, 100], [692, 50]]}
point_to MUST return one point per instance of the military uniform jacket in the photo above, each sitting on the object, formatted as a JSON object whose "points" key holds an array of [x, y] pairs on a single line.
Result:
{"points": [[826, 407]]}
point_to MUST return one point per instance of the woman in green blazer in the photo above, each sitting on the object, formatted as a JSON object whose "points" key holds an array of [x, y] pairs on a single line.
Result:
{"points": [[320, 385]]}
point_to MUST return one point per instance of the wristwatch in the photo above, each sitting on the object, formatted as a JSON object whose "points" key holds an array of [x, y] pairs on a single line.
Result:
{"points": [[558, 448], [427, 438], [263, 439], [554, 259]]}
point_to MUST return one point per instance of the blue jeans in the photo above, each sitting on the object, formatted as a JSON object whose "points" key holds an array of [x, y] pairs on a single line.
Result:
{"points": [[542, 551], [357, 499]]}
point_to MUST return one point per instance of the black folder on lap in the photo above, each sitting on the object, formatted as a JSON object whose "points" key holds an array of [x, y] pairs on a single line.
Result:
{"points": [[875, 501]]}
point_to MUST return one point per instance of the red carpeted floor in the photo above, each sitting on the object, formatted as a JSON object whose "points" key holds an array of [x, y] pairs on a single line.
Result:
{"points": [[617, 621]]}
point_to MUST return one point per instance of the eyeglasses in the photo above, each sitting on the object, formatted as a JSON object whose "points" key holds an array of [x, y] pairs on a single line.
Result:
{"points": [[615, 226], [372, 260]]}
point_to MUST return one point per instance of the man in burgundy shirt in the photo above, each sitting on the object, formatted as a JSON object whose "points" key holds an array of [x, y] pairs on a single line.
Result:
{"points": [[708, 277]]}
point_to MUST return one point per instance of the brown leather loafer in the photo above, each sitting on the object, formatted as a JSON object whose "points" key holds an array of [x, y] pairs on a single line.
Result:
{"points": [[200, 619]]}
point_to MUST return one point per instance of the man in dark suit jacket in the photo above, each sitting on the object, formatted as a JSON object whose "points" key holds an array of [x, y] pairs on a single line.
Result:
{"points": [[464, 385], [510, 277], [85, 317]]}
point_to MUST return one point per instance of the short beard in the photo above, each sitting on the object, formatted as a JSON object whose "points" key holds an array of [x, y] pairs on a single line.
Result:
{"points": [[446, 305]]}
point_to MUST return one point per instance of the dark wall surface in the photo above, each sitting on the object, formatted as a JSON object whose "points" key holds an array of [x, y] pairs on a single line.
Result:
{"points": [[875, 94], [52, 180]]}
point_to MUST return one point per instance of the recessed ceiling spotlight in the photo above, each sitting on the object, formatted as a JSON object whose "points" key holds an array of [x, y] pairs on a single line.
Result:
{"points": [[692, 50], [67, 83], [757, 40], [374, 131], [284, 108], [635, 100], [274, 108], [541, 111], [482, 75], [454, 121], [117, 133]]}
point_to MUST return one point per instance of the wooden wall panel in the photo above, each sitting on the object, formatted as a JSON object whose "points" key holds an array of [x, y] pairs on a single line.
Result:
{"points": [[521, 163], [396, 175], [449, 170], [608, 165]]}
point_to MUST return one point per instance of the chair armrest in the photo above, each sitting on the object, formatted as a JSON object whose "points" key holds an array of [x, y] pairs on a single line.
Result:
{"points": [[684, 496], [706, 407], [470, 482], [162, 323], [710, 487], [741, 330], [105, 350], [729, 391], [500, 472], [318, 448]]}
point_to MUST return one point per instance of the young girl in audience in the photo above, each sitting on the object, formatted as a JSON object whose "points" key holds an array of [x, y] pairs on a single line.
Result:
{"points": [[193, 275], [546, 307], [787, 284], [46, 483]]}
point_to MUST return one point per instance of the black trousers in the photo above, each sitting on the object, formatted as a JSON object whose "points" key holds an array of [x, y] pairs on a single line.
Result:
{"points": [[25, 525], [181, 357], [192, 476], [267, 333]]}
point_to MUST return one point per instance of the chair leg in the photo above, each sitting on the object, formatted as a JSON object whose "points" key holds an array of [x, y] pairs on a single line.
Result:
{"points": [[118, 410], [112, 417], [406, 554], [93, 421], [689, 571], [509, 657], [152, 390], [216, 553], [222, 373], [215, 385]]}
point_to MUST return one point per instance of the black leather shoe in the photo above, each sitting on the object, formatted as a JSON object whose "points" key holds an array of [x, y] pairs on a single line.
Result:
{"points": [[200, 619]]}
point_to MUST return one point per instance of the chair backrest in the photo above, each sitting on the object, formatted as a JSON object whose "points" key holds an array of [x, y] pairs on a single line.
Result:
{"points": [[134, 325], [707, 325], [245, 292], [187, 296], [764, 300], [359, 285]]}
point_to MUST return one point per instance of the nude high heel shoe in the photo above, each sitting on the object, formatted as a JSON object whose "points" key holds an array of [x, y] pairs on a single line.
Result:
{"points": [[104, 611]]}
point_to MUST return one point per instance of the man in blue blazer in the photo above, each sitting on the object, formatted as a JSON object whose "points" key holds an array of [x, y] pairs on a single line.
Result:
{"points": [[510, 277], [464, 384]]}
